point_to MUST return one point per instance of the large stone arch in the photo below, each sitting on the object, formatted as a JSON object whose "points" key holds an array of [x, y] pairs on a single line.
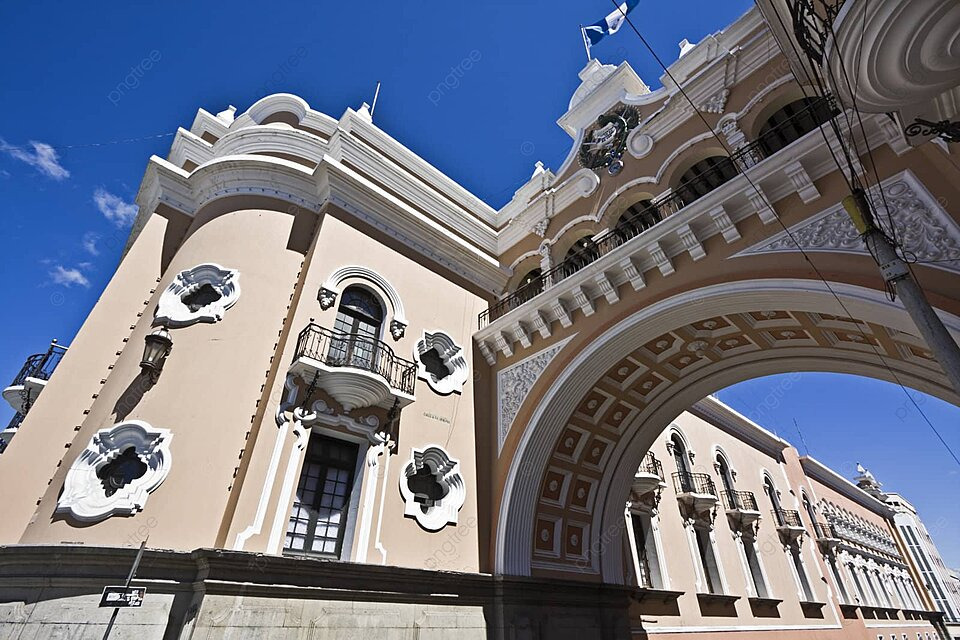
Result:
{"points": [[569, 474]]}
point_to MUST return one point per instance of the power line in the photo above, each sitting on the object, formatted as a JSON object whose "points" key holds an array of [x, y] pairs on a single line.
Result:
{"points": [[787, 231], [90, 144]]}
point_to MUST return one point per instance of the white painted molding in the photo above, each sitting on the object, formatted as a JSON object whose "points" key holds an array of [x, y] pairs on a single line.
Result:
{"points": [[331, 289], [446, 471], [171, 309], [84, 494], [453, 357]]}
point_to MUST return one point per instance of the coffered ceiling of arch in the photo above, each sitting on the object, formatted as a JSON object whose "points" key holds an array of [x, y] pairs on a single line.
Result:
{"points": [[575, 470]]}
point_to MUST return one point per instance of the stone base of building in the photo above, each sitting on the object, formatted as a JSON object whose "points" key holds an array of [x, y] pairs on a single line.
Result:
{"points": [[54, 592]]}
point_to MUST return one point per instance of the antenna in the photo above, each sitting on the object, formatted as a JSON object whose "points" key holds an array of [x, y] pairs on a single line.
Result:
{"points": [[802, 439], [376, 94]]}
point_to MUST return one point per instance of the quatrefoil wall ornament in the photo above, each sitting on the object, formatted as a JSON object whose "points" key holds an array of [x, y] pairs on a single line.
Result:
{"points": [[441, 362], [116, 472], [432, 488], [200, 294]]}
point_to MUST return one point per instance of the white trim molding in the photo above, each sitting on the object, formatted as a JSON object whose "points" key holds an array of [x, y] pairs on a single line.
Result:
{"points": [[174, 311], [331, 289], [452, 356], [87, 497], [445, 470]]}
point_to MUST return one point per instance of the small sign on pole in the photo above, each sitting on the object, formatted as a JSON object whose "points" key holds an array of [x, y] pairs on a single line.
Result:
{"points": [[122, 596]]}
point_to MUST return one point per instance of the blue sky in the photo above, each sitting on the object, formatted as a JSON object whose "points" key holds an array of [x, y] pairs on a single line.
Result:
{"points": [[132, 70]]}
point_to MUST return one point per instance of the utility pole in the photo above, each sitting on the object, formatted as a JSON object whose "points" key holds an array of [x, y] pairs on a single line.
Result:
{"points": [[897, 274]]}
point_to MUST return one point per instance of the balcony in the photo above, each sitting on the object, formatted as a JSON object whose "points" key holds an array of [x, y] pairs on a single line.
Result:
{"points": [[356, 370], [659, 210], [827, 536], [741, 507], [789, 525], [32, 378], [649, 476], [697, 494]]}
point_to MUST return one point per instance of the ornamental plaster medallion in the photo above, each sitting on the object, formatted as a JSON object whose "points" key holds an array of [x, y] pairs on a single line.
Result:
{"points": [[441, 363], [432, 488], [603, 146], [515, 382], [201, 294], [116, 472], [924, 228], [639, 144]]}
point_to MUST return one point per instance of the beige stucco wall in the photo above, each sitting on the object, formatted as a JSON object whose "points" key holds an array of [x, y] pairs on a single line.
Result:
{"points": [[431, 303], [206, 394], [47, 436]]}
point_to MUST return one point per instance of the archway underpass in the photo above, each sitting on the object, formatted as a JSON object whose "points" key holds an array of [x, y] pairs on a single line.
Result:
{"points": [[570, 474]]}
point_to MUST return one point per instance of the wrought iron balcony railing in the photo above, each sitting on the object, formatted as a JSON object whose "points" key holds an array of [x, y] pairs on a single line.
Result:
{"points": [[40, 365], [812, 22], [740, 500], [340, 349], [694, 483], [817, 112], [825, 531], [651, 465], [787, 518]]}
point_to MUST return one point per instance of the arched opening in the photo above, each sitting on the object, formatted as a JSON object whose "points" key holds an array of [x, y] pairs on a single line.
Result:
{"points": [[771, 492], [583, 252], [791, 122], [666, 357], [638, 217], [357, 329], [726, 476], [703, 177], [529, 285]]}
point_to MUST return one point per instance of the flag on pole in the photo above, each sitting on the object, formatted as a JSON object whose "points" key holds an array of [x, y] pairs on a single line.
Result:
{"points": [[595, 32]]}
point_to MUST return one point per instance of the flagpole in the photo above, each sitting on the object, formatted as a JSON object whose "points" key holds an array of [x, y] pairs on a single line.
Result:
{"points": [[586, 43], [375, 96]]}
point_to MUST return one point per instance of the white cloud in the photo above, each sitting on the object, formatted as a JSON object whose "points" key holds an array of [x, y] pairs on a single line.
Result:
{"points": [[89, 242], [114, 208], [68, 277], [43, 157]]}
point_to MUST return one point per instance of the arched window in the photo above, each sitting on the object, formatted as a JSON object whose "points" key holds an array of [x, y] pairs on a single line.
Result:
{"points": [[808, 507], [358, 325], [638, 217], [791, 123], [771, 492], [680, 454], [582, 253], [704, 177], [726, 477], [530, 285]]}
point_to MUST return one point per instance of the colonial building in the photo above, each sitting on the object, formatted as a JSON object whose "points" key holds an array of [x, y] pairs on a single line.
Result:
{"points": [[334, 394]]}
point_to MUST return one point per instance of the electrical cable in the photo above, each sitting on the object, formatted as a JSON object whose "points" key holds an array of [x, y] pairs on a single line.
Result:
{"points": [[787, 231], [89, 144]]}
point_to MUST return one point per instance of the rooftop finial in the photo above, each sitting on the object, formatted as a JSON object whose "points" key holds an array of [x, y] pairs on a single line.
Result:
{"points": [[685, 47]]}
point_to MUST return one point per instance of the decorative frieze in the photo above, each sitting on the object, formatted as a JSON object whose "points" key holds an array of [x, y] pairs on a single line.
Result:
{"points": [[924, 228], [515, 382]]}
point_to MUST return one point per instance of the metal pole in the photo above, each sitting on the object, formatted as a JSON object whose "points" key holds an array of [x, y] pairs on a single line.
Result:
{"points": [[133, 572], [895, 271]]}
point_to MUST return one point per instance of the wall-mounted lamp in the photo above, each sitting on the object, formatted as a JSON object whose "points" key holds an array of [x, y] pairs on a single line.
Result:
{"points": [[155, 351]]}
